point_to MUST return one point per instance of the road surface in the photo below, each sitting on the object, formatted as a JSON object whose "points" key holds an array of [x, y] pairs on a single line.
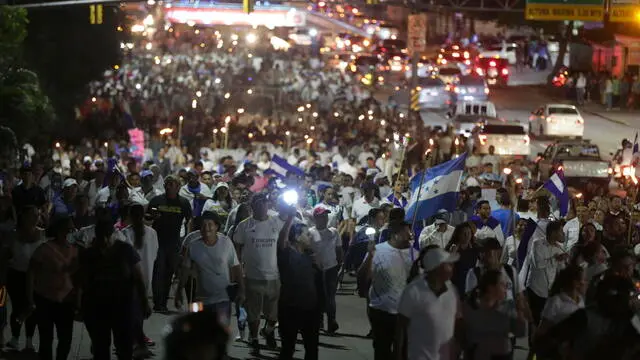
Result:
{"points": [[349, 344]]}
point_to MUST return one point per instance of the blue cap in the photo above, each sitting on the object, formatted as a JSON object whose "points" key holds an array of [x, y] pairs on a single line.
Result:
{"points": [[146, 173]]}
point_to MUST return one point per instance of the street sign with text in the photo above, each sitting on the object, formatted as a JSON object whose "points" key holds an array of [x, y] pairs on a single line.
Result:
{"points": [[561, 10], [417, 33], [624, 11]]}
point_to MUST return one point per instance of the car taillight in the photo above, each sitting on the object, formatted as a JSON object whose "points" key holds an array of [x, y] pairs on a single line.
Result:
{"points": [[466, 54], [486, 90], [455, 55], [492, 63], [483, 139], [479, 71], [505, 71], [610, 171], [560, 168], [579, 121], [550, 119], [526, 140], [456, 90]]}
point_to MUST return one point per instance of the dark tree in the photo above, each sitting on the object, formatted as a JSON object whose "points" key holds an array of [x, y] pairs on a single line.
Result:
{"points": [[68, 52]]}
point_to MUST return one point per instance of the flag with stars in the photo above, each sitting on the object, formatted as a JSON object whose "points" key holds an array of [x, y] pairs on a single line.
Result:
{"points": [[558, 187], [440, 189]]}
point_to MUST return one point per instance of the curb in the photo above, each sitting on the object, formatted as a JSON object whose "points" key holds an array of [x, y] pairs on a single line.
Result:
{"points": [[621, 122]]}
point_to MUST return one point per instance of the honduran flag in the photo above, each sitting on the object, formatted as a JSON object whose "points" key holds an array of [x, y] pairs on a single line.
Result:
{"points": [[280, 168]]}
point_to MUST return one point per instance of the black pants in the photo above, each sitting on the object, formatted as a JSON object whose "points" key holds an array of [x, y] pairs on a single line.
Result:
{"points": [[536, 304], [16, 286], [383, 328], [307, 323], [163, 270], [49, 314], [103, 319]]}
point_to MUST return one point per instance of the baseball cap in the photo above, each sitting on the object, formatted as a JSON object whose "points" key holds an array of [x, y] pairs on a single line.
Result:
{"points": [[436, 257], [146, 173], [320, 211], [69, 182]]}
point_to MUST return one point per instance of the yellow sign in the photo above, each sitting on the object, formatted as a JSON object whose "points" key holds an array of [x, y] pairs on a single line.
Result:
{"points": [[92, 14], [99, 14], [561, 12], [624, 13]]}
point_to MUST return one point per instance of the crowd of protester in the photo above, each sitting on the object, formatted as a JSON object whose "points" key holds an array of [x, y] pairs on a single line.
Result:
{"points": [[99, 232]]}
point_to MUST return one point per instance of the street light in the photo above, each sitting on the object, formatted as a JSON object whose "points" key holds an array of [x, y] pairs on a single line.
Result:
{"points": [[227, 95], [194, 103]]}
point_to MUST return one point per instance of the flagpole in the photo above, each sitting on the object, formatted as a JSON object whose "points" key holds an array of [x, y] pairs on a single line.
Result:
{"points": [[415, 212]]}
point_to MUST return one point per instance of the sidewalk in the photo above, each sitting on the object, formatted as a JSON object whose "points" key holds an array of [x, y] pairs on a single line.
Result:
{"points": [[619, 116]]}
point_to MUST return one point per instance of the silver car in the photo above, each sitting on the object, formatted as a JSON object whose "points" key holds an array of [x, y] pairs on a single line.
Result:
{"points": [[433, 93], [471, 88]]}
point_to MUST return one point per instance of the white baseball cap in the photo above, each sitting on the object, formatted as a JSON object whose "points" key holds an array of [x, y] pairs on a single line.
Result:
{"points": [[69, 182], [436, 257]]}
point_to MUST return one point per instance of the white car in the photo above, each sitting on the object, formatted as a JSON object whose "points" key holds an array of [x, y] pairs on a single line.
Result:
{"points": [[507, 137], [556, 120], [300, 37], [501, 51]]}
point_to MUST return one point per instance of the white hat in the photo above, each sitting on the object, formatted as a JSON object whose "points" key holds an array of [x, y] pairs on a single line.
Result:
{"points": [[436, 257], [69, 182]]}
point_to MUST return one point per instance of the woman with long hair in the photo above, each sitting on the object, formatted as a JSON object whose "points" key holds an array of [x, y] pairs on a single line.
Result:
{"points": [[486, 325], [50, 289], [144, 240], [462, 242], [112, 282], [28, 237], [566, 296]]}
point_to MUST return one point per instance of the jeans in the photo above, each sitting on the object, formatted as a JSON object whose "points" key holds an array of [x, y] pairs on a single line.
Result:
{"points": [[60, 314], [580, 92], [163, 270], [17, 288], [383, 327], [307, 323], [330, 284], [104, 319], [609, 100]]}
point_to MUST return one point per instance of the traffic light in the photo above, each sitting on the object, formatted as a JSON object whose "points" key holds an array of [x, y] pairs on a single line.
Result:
{"points": [[95, 14], [247, 6]]}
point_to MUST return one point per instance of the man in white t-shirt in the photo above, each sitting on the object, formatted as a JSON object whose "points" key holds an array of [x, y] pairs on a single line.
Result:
{"points": [[428, 309], [214, 258], [327, 248], [361, 206], [387, 265], [256, 239]]}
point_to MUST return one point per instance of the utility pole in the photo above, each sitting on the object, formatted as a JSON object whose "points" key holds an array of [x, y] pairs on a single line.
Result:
{"points": [[417, 43]]}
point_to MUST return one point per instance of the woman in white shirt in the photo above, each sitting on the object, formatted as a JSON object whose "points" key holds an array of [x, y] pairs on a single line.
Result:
{"points": [[565, 297], [144, 240]]}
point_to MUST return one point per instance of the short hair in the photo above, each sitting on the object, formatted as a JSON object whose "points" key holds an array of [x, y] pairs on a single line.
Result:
{"points": [[480, 203]]}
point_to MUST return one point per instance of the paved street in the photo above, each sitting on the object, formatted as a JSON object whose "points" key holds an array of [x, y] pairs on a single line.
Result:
{"points": [[349, 344]]}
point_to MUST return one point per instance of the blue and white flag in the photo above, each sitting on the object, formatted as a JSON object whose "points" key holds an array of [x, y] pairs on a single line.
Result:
{"points": [[280, 167], [558, 187], [440, 189]]}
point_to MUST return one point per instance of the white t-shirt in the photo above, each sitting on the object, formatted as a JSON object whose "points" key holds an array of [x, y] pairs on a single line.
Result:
{"points": [[324, 243], [361, 209], [147, 253], [259, 241], [214, 264], [431, 320], [559, 307], [390, 270]]}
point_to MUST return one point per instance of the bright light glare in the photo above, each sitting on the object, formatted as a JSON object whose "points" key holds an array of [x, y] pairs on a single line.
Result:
{"points": [[241, 111], [148, 21], [290, 197], [148, 46], [370, 231], [194, 103], [217, 81], [138, 28], [227, 95], [313, 32], [198, 93], [252, 38], [138, 86], [234, 37]]}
